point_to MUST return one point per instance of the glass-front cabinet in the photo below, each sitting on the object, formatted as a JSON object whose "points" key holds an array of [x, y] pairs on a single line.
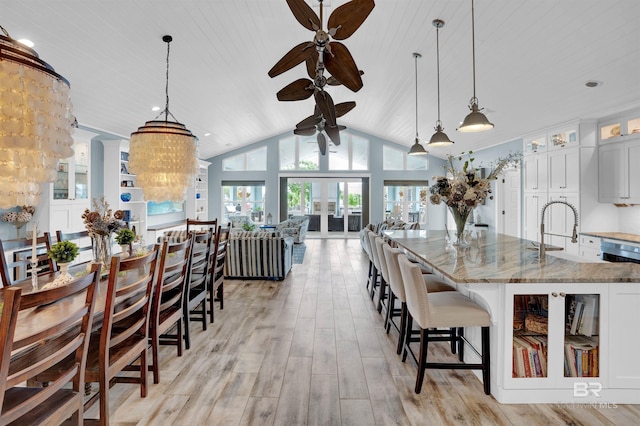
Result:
{"points": [[618, 128], [555, 339], [72, 181], [563, 138]]}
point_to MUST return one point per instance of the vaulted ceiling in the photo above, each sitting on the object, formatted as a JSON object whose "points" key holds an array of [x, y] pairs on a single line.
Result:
{"points": [[532, 61]]}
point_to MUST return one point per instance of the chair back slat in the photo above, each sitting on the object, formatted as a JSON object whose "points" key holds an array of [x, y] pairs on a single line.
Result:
{"points": [[202, 225], [19, 267], [172, 276], [65, 317], [82, 239]]}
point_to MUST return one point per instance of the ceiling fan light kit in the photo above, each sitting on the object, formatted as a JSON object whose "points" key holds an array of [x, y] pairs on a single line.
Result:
{"points": [[164, 154], [475, 121], [342, 23], [417, 148], [439, 138]]}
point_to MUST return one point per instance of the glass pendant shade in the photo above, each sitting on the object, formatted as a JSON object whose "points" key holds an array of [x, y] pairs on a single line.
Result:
{"points": [[164, 157], [35, 123], [417, 149]]}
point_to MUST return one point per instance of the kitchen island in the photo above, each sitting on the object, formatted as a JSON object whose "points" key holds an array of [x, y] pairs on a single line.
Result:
{"points": [[537, 356]]}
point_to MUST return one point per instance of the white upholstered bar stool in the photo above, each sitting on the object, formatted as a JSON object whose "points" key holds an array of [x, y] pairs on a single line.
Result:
{"points": [[443, 310], [382, 285], [397, 292], [367, 249]]}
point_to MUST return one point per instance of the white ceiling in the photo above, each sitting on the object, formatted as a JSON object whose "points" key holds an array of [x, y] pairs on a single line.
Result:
{"points": [[532, 60]]}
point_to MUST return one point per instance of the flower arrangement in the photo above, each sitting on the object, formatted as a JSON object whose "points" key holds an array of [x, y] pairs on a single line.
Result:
{"points": [[102, 220], [465, 189], [63, 252], [24, 215], [125, 236]]}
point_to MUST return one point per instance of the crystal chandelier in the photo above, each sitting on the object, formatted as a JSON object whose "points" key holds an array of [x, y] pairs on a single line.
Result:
{"points": [[35, 123], [164, 154]]}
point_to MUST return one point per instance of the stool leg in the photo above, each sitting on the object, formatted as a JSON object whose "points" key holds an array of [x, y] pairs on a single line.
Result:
{"points": [[374, 279], [407, 336], [486, 361], [461, 344], [369, 273], [383, 293], [422, 361], [387, 318], [403, 326], [454, 339]]}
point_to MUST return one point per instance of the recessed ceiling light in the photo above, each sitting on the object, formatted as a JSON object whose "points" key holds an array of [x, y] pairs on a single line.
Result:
{"points": [[593, 83], [207, 134], [155, 108], [26, 42]]}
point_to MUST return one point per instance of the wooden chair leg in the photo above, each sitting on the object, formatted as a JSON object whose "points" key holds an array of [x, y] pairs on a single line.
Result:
{"points": [[220, 294], [155, 342], [454, 340], [383, 293], [143, 373], [403, 326], [204, 312], [179, 336], [211, 303], [407, 335], [104, 400], [187, 337], [388, 317], [460, 344], [422, 360], [486, 360], [374, 280]]}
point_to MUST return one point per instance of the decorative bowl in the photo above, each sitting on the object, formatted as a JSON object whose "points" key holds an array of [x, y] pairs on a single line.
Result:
{"points": [[125, 196]]}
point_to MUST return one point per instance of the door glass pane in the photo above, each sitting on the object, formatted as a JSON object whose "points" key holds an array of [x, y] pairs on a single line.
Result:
{"points": [[581, 338], [61, 185], [407, 203], [247, 201], [81, 160], [530, 335]]}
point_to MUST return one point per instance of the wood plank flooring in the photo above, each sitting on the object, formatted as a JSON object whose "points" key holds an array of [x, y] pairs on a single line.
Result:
{"points": [[312, 350]]}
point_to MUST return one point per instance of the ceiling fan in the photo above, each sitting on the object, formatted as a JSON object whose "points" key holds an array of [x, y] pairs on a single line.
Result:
{"points": [[318, 123]]}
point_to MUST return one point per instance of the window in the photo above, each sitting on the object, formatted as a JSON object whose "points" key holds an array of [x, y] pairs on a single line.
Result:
{"points": [[299, 153], [247, 161], [395, 159], [243, 199], [351, 154]]}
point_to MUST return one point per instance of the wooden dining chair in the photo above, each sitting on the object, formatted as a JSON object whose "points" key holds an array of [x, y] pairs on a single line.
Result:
{"points": [[216, 269], [64, 317], [82, 239], [202, 225], [195, 300], [168, 299], [124, 336], [19, 269]]}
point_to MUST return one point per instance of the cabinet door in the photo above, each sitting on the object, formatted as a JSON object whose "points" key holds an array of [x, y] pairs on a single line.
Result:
{"points": [[624, 304], [535, 173], [611, 173], [532, 207], [564, 170], [633, 171]]}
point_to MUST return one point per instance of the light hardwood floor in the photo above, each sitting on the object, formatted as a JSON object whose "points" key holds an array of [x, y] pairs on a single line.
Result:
{"points": [[312, 350]]}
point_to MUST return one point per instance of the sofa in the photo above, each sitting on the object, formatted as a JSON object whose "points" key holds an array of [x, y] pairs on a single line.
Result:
{"points": [[238, 222], [258, 255], [295, 227]]}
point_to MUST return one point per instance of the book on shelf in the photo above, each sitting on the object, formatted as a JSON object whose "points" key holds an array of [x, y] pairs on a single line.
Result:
{"points": [[581, 356], [529, 356], [588, 325], [577, 314]]}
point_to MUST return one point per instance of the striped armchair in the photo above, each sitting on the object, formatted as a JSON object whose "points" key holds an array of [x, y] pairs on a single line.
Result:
{"points": [[258, 255]]}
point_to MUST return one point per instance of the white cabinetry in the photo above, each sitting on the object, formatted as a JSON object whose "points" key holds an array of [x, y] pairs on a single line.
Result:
{"points": [[548, 349], [624, 368], [535, 172], [532, 207], [559, 220], [69, 195], [564, 170], [590, 248], [120, 189], [197, 203], [619, 127], [619, 177]]}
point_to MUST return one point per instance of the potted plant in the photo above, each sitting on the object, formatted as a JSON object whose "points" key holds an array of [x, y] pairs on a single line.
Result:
{"points": [[63, 253], [248, 227], [124, 237]]}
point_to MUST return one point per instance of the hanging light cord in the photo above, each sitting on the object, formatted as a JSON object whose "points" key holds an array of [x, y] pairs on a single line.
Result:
{"points": [[439, 123], [416, 55], [473, 52], [167, 39]]}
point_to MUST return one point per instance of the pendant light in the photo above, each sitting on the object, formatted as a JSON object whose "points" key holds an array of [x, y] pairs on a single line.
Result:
{"points": [[416, 148], [475, 121], [439, 138], [35, 124], [164, 154]]}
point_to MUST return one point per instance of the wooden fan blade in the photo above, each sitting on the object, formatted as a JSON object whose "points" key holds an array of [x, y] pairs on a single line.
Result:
{"points": [[292, 58], [334, 134], [304, 14], [305, 132], [322, 144], [309, 122], [311, 63], [296, 91], [344, 107], [341, 65], [332, 81], [325, 103], [346, 19]]}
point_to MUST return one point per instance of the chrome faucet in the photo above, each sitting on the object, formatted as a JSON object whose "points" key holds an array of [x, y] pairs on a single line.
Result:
{"points": [[574, 233]]}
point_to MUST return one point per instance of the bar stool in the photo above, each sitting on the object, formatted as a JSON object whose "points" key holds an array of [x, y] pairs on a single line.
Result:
{"points": [[397, 291], [382, 284], [442, 310], [367, 249]]}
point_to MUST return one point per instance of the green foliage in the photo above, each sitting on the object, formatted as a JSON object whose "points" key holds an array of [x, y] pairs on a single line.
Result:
{"points": [[355, 200], [125, 236], [248, 227], [63, 252]]}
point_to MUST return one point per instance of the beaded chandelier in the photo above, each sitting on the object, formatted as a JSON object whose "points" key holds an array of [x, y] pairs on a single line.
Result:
{"points": [[164, 154], [35, 123]]}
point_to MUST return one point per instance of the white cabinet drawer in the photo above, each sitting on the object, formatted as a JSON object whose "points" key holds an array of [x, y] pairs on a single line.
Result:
{"points": [[591, 242], [593, 255]]}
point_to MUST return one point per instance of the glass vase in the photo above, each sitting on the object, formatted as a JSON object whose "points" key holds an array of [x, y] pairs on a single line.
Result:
{"points": [[18, 225], [460, 218], [102, 250]]}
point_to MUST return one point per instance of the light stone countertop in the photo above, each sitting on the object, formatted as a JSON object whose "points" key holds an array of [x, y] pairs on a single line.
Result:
{"points": [[497, 258], [620, 236]]}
